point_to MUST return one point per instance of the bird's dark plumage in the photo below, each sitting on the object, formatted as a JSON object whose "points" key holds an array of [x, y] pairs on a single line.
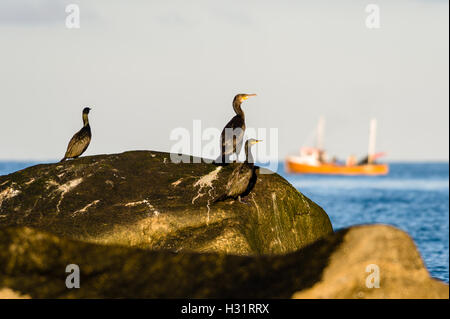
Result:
{"points": [[80, 141], [233, 133], [242, 177]]}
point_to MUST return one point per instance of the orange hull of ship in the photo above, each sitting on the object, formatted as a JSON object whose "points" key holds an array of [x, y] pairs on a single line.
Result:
{"points": [[331, 169]]}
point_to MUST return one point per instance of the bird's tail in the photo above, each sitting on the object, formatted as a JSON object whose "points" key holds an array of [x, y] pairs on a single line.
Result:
{"points": [[220, 198]]}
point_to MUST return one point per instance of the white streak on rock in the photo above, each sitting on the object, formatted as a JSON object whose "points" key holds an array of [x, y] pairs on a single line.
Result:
{"points": [[306, 203], [257, 207], [176, 183], [206, 182], [132, 204], [67, 187], [85, 208], [8, 193], [4, 183], [144, 202], [277, 218], [30, 181]]}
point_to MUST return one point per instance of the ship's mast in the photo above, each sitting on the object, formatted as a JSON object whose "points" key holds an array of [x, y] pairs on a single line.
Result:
{"points": [[372, 139], [320, 132]]}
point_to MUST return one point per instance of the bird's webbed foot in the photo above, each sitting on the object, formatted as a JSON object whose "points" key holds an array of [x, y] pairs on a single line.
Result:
{"points": [[243, 200]]}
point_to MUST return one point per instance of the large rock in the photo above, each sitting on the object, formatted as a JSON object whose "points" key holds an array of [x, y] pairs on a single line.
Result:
{"points": [[379, 251], [142, 199], [33, 264]]}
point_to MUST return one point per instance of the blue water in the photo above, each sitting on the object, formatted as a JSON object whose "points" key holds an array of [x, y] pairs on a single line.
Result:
{"points": [[413, 197], [9, 167]]}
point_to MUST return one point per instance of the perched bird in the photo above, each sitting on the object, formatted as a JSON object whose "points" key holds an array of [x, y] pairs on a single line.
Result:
{"points": [[80, 141], [233, 133], [243, 177]]}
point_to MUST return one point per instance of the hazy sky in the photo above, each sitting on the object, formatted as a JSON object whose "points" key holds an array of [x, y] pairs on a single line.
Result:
{"points": [[147, 67]]}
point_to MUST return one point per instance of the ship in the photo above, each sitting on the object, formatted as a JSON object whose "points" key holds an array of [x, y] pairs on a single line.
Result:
{"points": [[313, 160]]}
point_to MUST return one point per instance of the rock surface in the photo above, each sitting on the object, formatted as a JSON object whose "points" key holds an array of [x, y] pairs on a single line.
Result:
{"points": [[142, 199], [33, 263], [366, 251]]}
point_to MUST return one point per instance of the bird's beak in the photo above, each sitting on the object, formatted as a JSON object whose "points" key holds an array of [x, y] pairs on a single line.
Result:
{"points": [[249, 95], [257, 141]]}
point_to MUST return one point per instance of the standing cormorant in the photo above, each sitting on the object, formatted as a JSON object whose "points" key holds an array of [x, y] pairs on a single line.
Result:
{"points": [[243, 177], [80, 141], [233, 133]]}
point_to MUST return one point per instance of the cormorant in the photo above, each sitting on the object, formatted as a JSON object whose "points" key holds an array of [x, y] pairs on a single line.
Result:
{"points": [[80, 141], [233, 133], [243, 177]]}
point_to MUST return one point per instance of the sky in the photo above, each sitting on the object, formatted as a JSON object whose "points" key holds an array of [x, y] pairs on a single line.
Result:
{"points": [[149, 67]]}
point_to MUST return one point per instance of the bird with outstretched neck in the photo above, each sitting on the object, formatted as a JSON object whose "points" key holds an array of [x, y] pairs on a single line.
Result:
{"points": [[233, 133], [80, 141], [243, 177]]}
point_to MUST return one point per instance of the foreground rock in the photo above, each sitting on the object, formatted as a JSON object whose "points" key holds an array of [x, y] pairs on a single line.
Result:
{"points": [[33, 263], [366, 250], [142, 199]]}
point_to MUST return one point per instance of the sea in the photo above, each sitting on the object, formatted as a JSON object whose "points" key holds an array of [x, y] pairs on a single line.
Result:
{"points": [[413, 197]]}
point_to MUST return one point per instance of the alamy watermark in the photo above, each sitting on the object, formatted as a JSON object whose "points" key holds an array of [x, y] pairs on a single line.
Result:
{"points": [[73, 279], [73, 16], [373, 280], [373, 18], [206, 145]]}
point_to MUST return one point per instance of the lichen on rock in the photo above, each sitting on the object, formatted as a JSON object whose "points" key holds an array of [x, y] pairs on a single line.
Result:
{"points": [[141, 199]]}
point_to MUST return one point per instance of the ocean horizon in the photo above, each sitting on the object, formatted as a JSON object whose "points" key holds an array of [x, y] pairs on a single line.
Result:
{"points": [[414, 197]]}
